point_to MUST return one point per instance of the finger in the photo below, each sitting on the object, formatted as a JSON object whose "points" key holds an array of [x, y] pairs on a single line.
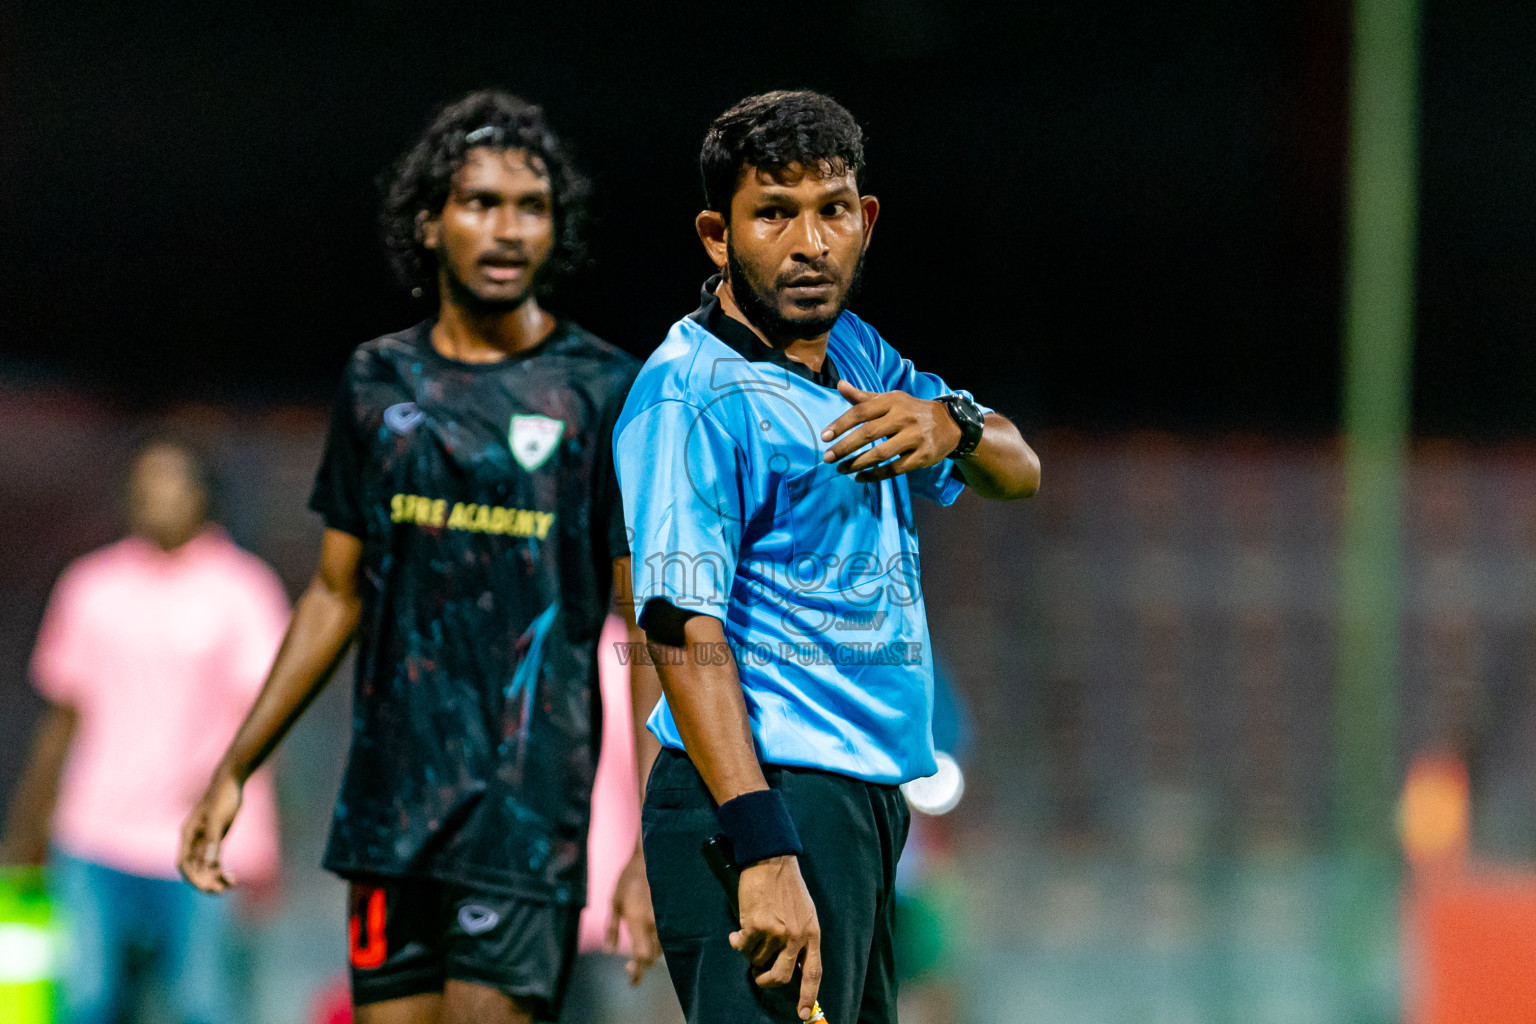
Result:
{"points": [[219, 879], [748, 943], [759, 946], [611, 933], [208, 879], [185, 856], [644, 956], [643, 941], [783, 968], [203, 877], [810, 976], [648, 947], [861, 413], [886, 450], [193, 861], [853, 394], [874, 430], [865, 405], [644, 946], [906, 464]]}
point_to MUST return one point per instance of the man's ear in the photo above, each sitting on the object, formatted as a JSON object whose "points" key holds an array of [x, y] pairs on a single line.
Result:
{"points": [[429, 230], [714, 233], [871, 207]]}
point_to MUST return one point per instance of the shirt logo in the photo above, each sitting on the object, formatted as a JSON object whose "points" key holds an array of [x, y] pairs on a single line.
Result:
{"points": [[477, 920], [533, 439], [403, 418]]}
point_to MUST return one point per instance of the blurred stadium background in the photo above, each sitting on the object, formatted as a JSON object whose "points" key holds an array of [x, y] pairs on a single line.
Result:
{"points": [[1123, 224]]}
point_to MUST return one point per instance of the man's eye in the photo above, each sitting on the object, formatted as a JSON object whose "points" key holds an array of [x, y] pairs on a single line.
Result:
{"points": [[834, 209], [773, 213]]}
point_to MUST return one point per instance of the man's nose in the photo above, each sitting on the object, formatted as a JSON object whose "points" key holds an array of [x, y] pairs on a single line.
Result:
{"points": [[808, 238], [508, 222]]}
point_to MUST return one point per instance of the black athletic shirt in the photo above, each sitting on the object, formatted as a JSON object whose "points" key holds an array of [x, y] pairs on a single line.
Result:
{"points": [[487, 503]]}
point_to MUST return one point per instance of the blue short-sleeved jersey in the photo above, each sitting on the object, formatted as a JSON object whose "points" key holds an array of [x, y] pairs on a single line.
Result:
{"points": [[814, 575]]}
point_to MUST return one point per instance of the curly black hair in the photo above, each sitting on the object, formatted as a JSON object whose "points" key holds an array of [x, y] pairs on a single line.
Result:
{"points": [[419, 181], [773, 130]]}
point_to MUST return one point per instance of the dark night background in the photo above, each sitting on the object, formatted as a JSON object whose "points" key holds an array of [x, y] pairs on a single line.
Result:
{"points": [[1099, 215], [1120, 222]]}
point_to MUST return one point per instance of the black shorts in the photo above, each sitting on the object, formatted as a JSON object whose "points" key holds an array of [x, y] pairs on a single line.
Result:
{"points": [[852, 832], [409, 936]]}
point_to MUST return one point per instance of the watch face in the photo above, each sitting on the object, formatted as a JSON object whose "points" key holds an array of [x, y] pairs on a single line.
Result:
{"points": [[968, 417], [966, 410]]}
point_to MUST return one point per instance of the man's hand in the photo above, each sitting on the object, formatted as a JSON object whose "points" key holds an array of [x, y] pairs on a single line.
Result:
{"points": [[632, 905], [915, 432], [778, 924], [202, 834]]}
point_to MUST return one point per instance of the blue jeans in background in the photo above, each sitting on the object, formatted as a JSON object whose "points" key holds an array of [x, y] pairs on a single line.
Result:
{"points": [[108, 914]]}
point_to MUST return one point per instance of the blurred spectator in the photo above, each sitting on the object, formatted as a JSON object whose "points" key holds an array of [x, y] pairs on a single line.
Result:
{"points": [[150, 652]]}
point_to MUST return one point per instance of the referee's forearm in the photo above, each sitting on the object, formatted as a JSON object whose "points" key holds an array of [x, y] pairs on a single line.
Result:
{"points": [[644, 693], [1003, 467], [709, 709]]}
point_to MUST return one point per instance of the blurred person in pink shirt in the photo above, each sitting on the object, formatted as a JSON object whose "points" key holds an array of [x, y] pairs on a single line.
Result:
{"points": [[150, 653]]}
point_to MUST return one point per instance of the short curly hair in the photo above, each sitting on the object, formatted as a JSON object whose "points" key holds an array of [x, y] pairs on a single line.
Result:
{"points": [[420, 180], [772, 130]]}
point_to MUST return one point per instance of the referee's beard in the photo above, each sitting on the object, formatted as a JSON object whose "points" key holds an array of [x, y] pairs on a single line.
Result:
{"points": [[759, 300]]}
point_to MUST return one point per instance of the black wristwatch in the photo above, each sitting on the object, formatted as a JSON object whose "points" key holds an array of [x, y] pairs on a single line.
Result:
{"points": [[968, 416]]}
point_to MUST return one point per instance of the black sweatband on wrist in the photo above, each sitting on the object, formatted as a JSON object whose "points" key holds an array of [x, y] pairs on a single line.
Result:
{"points": [[758, 826]]}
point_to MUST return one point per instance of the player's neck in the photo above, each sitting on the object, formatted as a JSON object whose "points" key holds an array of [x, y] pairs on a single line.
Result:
{"points": [[169, 539], [488, 337], [811, 352]]}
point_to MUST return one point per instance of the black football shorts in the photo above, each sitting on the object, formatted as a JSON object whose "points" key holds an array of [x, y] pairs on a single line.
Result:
{"points": [[409, 936]]}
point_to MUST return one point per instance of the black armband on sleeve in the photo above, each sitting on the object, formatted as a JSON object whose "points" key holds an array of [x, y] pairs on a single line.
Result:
{"points": [[663, 622]]}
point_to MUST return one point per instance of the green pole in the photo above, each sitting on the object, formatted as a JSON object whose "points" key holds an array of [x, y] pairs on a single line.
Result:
{"points": [[1381, 211], [1378, 350]]}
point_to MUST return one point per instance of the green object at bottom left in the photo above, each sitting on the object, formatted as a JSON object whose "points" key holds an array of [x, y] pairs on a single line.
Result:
{"points": [[29, 948]]}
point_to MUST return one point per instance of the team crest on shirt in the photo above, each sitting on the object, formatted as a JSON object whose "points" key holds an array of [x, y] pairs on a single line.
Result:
{"points": [[533, 439]]}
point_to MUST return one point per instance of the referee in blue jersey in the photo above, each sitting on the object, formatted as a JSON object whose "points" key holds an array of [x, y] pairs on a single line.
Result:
{"points": [[767, 454]]}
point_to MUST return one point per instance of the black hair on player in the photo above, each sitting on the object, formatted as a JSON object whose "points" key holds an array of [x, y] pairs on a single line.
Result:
{"points": [[420, 180], [773, 130]]}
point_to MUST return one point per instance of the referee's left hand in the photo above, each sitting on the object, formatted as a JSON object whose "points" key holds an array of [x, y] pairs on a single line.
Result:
{"points": [[915, 432], [632, 905]]}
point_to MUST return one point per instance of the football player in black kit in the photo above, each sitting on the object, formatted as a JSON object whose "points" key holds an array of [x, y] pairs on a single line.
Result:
{"points": [[474, 537]]}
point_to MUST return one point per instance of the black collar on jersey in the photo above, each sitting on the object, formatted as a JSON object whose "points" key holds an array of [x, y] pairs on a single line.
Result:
{"points": [[743, 339], [423, 341]]}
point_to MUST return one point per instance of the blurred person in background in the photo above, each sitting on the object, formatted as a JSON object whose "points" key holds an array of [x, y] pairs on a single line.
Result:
{"points": [[474, 542], [150, 653]]}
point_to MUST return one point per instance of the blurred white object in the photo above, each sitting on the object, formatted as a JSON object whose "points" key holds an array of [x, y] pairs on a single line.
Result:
{"points": [[26, 954], [940, 792]]}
